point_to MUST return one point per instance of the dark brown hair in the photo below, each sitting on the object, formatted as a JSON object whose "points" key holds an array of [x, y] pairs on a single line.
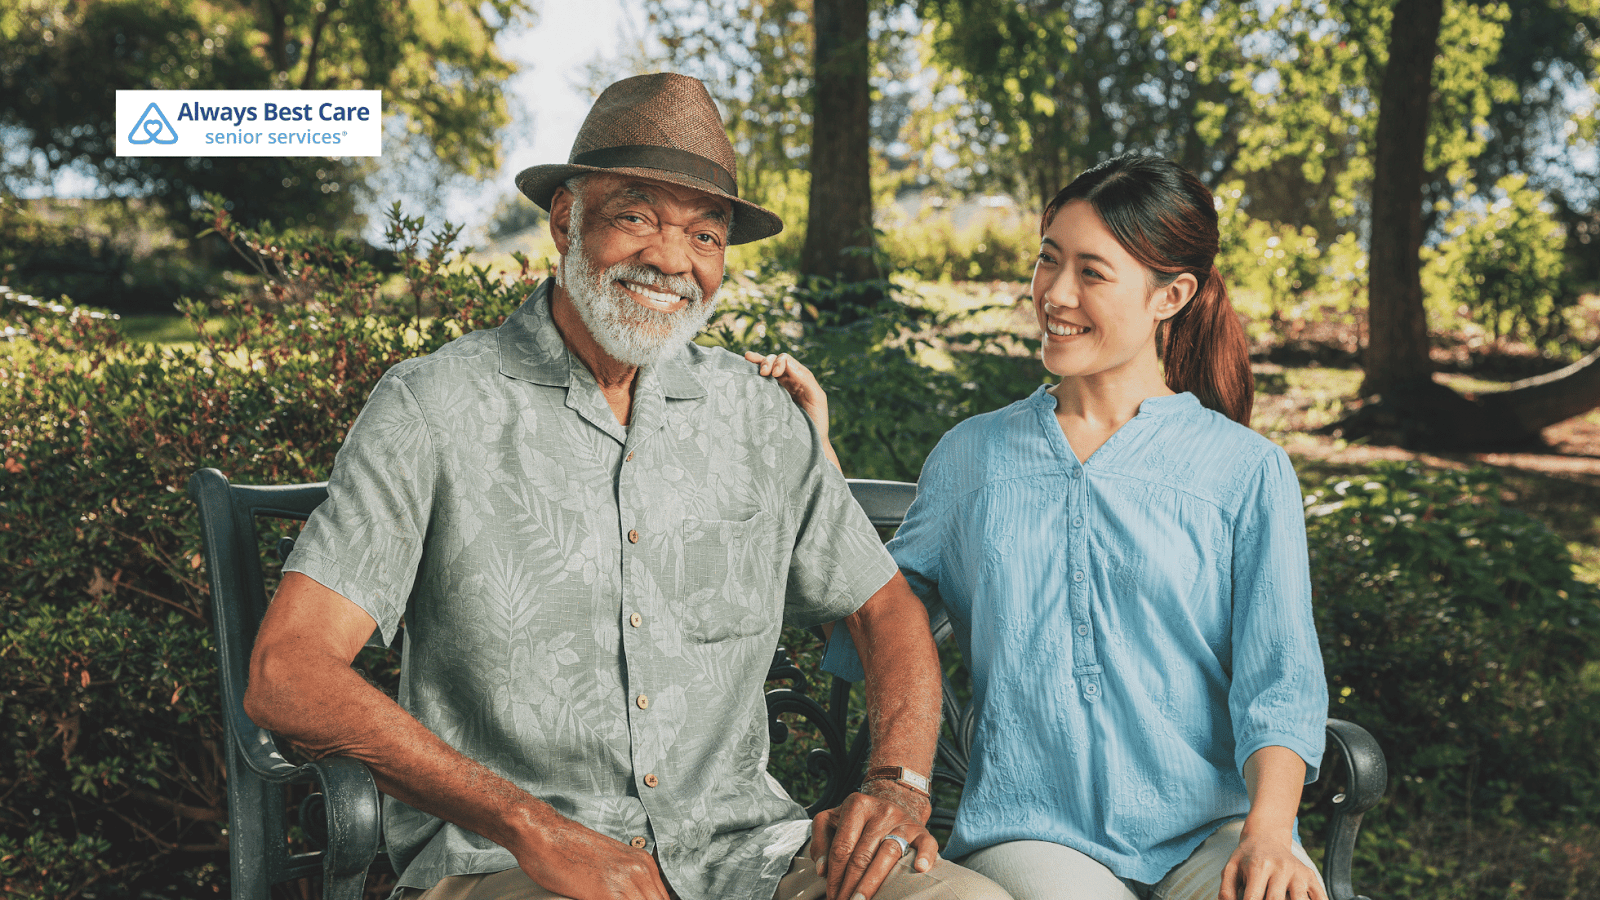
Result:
{"points": [[1167, 220]]}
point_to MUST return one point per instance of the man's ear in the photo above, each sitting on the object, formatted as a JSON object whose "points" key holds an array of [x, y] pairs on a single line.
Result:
{"points": [[561, 219], [1175, 296]]}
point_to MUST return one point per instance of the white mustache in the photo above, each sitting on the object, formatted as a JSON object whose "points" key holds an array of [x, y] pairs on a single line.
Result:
{"points": [[650, 276]]}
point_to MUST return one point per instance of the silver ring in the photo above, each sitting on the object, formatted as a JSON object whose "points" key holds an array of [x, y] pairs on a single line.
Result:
{"points": [[905, 845]]}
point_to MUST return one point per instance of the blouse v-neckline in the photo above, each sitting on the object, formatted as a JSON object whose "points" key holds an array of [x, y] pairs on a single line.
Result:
{"points": [[1057, 435]]}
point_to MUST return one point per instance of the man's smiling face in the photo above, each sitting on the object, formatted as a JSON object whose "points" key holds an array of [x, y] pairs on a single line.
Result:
{"points": [[642, 261]]}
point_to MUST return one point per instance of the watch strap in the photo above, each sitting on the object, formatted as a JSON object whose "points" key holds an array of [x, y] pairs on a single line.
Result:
{"points": [[914, 780]]}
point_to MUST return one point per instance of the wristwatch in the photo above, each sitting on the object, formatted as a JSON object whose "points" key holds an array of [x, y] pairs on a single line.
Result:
{"points": [[914, 780]]}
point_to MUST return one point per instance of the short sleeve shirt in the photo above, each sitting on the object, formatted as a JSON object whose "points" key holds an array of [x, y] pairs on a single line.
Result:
{"points": [[591, 609], [1136, 625]]}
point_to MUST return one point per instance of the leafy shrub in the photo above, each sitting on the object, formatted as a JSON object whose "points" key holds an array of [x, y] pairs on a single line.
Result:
{"points": [[1452, 628], [90, 250], [887, 406], [992, 248], [112, 783], [1502, 266]]}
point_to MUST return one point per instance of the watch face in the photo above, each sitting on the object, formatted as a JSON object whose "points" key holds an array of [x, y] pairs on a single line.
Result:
{"points": [[915, 780]]}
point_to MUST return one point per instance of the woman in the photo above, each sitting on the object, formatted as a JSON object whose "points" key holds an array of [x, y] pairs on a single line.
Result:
{"points": [[1125, 565]]}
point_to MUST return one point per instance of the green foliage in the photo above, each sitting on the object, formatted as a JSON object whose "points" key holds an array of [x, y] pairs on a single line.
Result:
{"points": [[887, 407], [992, 248], [112, 781], [1453, 629], [1503, 265], [97, 253], [435, 61], [1037, 92]]}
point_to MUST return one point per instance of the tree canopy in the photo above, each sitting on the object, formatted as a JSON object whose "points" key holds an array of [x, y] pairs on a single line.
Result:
{"points": [[436, 62]]}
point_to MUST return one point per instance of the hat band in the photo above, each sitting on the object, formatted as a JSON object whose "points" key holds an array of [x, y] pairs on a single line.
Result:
{"points": [[667, 159]]}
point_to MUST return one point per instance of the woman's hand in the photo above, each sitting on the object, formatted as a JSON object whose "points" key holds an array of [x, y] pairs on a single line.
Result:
{"points": [[1265, 868], [803, 388]]}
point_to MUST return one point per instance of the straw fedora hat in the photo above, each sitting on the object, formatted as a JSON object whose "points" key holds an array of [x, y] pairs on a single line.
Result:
{"points": [[663, 127]]}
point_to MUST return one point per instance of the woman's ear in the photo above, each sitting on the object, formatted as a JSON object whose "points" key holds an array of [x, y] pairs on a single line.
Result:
{"points": [[1172, 298]]}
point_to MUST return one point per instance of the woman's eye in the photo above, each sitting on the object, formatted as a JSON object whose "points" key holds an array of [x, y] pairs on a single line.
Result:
{"points": [[1091, 273]]}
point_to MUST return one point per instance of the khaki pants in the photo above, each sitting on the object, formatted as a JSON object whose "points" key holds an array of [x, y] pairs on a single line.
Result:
{"points": [[945, 881], [1038, 870]]}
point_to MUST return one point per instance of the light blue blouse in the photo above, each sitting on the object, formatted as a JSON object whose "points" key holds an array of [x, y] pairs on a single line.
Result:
{"points": [[1136, 625]]}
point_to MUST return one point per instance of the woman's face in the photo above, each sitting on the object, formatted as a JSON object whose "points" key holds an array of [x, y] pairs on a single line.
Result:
{"points": [[1095, 303]]}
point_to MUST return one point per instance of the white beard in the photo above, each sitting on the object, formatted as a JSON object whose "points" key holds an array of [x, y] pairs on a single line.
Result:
{"points": [[629, 333]]}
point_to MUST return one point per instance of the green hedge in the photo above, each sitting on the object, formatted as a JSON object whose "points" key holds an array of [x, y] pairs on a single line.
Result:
{"points": [[1451, 625]]}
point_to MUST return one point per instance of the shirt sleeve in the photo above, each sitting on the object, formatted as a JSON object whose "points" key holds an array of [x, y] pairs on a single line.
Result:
{"points": [[916, 549], [365, 541], [838, 561], [1278, 695]]}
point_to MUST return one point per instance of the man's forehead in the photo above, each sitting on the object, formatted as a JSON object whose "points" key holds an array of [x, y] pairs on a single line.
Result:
{"points": [[618, 189]]}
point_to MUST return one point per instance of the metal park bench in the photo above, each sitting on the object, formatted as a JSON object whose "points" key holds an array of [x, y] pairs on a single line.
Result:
{"points": [[322, 818]]}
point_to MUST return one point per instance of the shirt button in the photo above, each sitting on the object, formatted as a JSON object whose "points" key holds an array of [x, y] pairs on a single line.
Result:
{"points": [[1077, 473], [644, 701], [639, 842], [651, 780], [635, 619], [1083, 629], [633, 537], [1078, 575], [1077, 521], [1091, 689]]}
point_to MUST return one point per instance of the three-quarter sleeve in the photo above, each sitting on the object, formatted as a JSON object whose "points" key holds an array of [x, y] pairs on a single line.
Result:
{"points": [[365, 541], [1278, 695]]}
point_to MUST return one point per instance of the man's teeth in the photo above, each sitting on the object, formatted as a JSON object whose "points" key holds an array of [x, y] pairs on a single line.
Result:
{"points": [[661, 297], [1065, 330]]}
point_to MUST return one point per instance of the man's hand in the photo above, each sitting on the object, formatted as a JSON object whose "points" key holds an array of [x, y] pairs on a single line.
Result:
{"points": [[849, 844], [573, 861], [1265, 868]]}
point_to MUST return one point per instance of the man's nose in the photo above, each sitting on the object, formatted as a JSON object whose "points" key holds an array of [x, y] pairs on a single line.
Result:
{"points": [[669, 251]]}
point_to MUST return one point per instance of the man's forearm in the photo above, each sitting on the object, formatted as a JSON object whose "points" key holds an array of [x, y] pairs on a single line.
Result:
{"points": [[302, 687], [902, 681]]}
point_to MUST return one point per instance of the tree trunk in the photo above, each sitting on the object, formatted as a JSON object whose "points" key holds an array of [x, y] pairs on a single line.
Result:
{"points": [[1397, 327], [1410, 408], [839, 244]]}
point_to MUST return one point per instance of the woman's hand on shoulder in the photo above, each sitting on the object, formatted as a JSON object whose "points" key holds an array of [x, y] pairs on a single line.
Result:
{"points": [[1264, 867], [803, 389]]}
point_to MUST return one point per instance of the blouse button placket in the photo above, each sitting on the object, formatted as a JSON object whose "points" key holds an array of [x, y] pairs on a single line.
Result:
{"points": [[1085, 656]]}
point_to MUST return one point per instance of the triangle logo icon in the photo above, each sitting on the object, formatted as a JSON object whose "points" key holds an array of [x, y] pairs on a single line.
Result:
{"points": [[153, 128]]}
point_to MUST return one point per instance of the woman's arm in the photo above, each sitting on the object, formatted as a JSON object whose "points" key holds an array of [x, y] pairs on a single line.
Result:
{"points": [[1264, 866]]}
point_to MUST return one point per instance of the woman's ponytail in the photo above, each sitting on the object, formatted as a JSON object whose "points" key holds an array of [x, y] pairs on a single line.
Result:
{"points": [[1205, 352]]}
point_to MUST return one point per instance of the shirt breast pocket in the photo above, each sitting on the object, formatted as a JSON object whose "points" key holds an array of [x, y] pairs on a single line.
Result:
{"points": [[730, 587]]}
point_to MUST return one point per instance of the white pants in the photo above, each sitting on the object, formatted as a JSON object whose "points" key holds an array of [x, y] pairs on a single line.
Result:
{"points": [[1039, 870], [945, 881]]}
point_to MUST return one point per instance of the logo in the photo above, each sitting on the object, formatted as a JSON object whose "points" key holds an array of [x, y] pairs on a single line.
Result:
{"points": [[153, 128]]}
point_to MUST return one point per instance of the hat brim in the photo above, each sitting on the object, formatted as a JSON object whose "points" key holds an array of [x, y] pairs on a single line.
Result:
{"points": [[750, 222]]}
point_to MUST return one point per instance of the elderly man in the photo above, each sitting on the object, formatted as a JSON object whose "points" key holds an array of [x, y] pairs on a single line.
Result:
{"points": [[594, 530]]}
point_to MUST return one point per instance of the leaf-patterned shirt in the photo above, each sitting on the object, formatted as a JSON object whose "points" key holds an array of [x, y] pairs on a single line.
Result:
{"points": [[591, 609]]}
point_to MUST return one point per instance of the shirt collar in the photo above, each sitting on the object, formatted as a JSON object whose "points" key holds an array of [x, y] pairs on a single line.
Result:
{"points": [[531, 349], [1149, 406]]}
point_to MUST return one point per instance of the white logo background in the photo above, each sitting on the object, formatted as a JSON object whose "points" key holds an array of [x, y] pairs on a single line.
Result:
{"points": [[249, 123]]}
